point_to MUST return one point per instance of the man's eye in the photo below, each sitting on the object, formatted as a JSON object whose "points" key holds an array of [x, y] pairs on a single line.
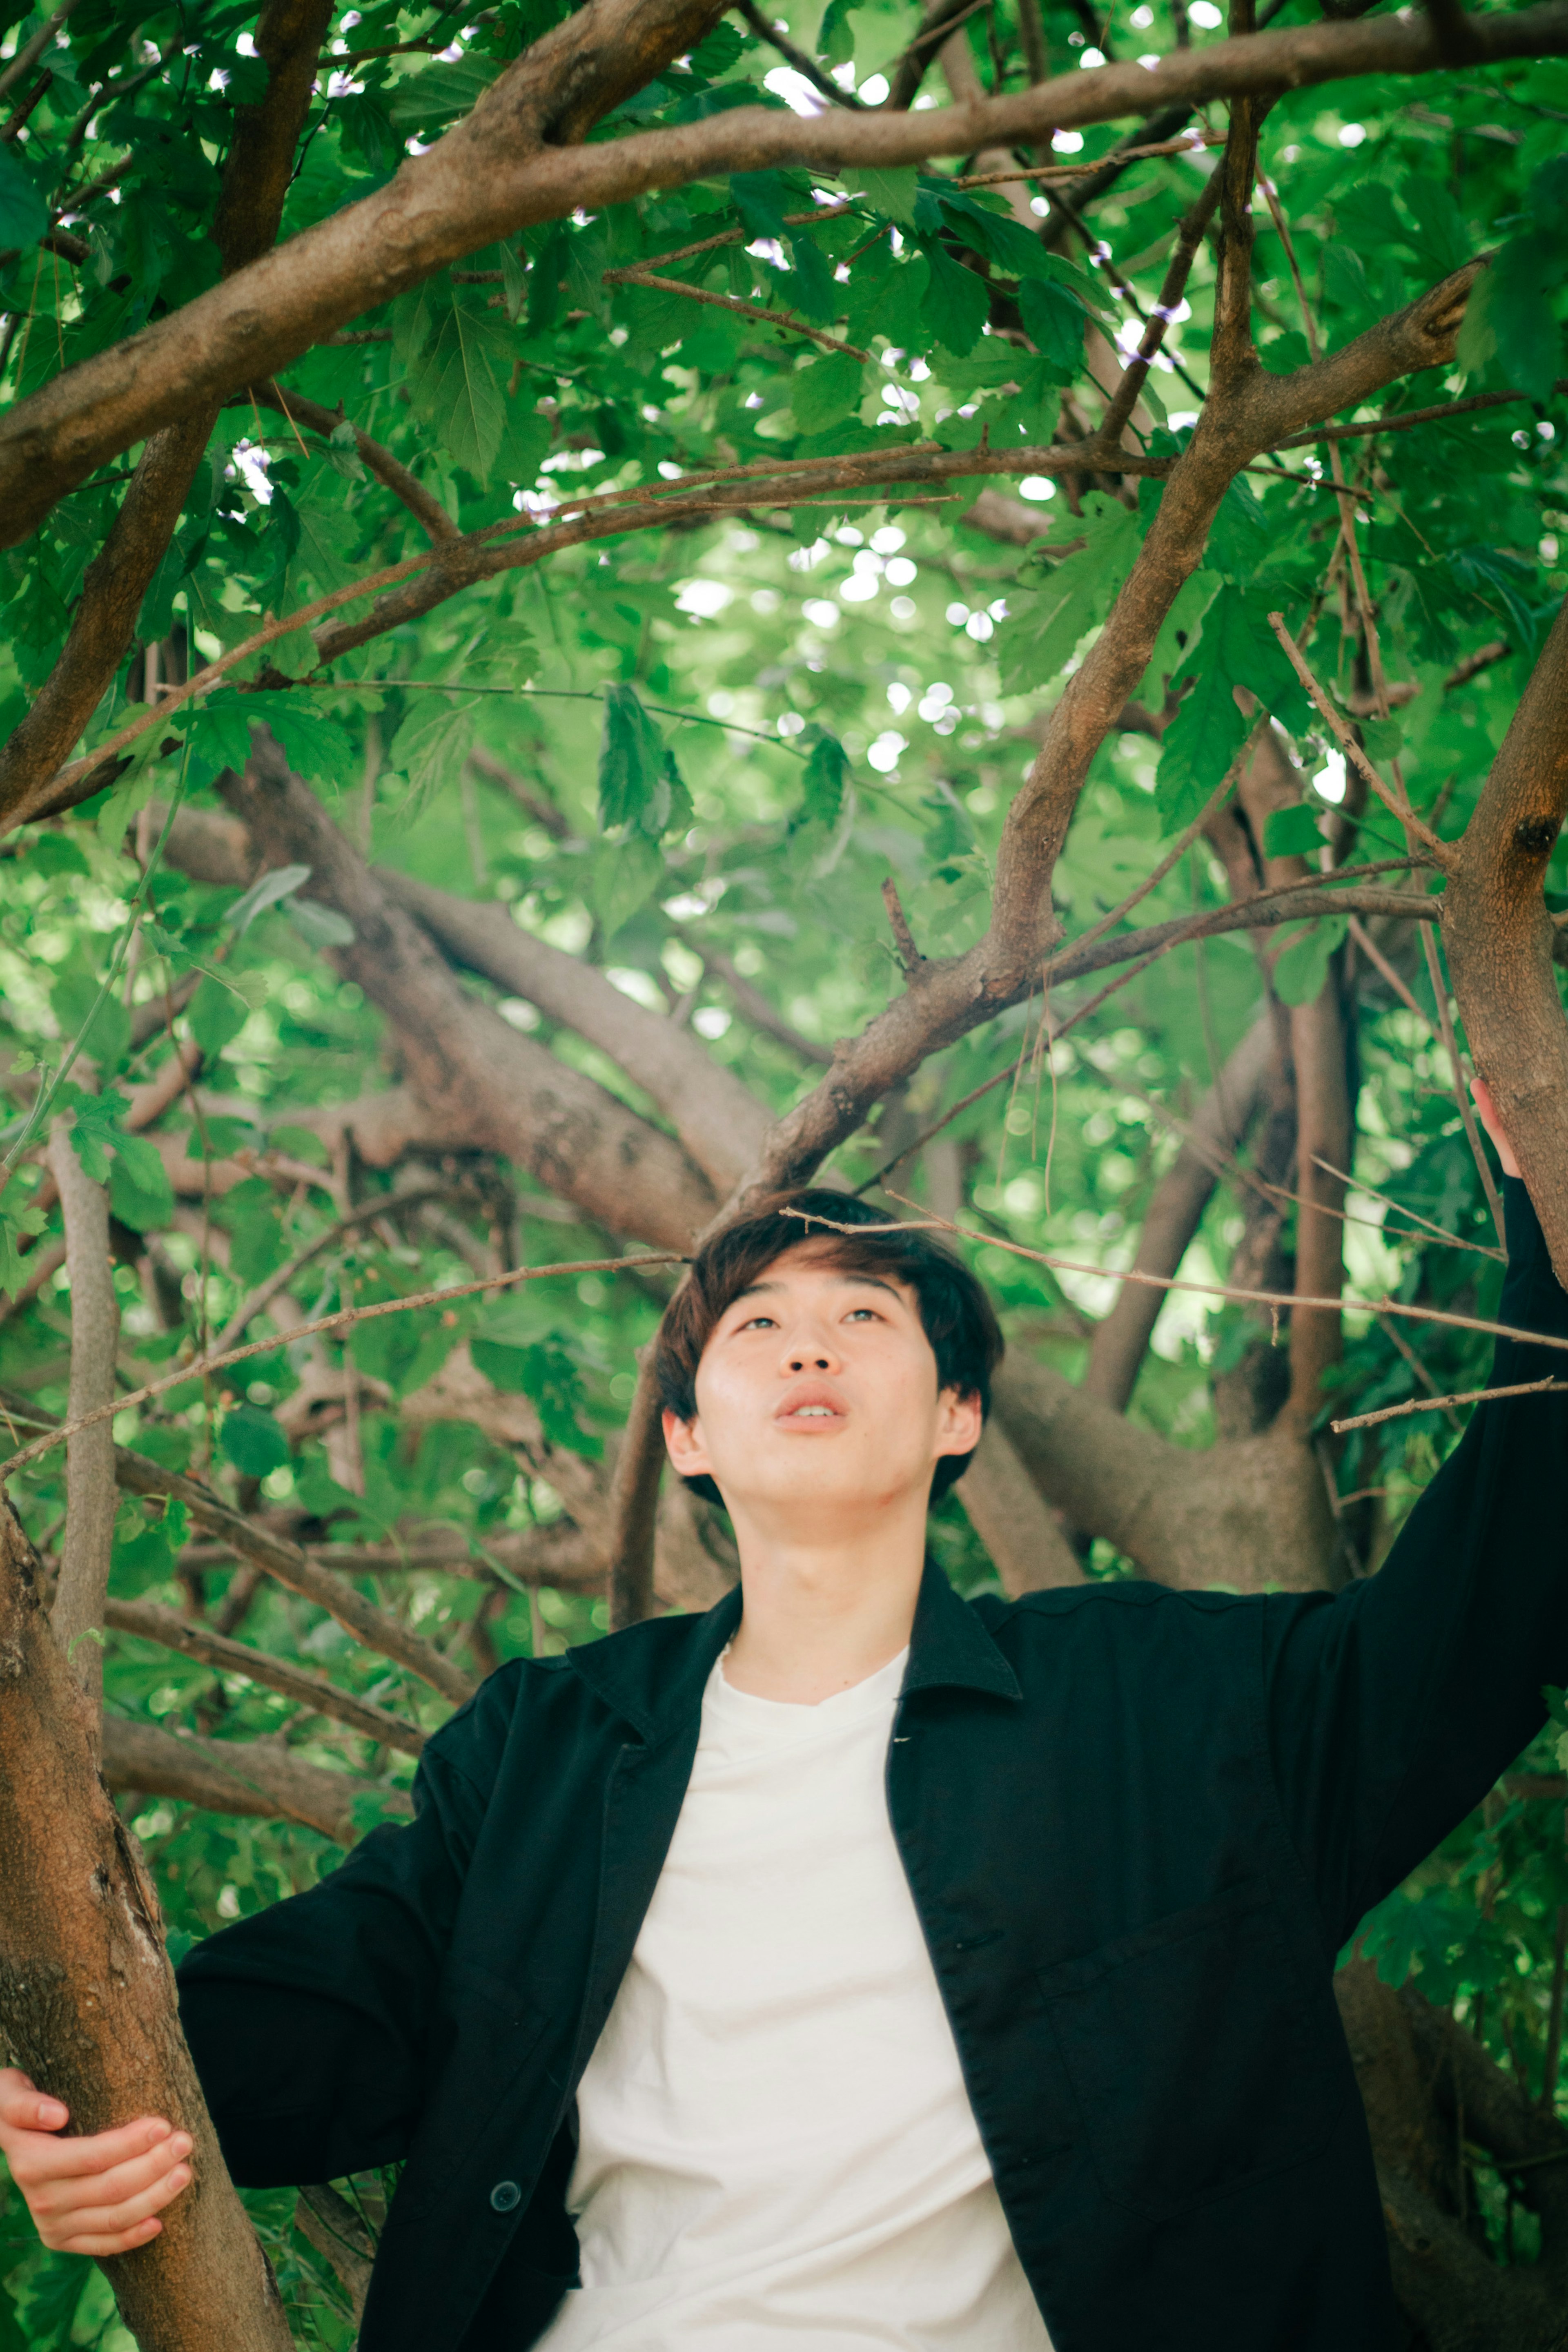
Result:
{"points": [[757, 1323], [856, 1313]]}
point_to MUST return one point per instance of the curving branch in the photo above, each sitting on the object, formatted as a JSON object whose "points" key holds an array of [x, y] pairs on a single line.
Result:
{"points": [[497, 1089], [289, 36], [719, 1121], [239, 1776], [513, 162], [422, 505]]}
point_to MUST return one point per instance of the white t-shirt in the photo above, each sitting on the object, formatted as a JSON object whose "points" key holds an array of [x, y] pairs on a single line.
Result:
{"points": [[774, 2142]]}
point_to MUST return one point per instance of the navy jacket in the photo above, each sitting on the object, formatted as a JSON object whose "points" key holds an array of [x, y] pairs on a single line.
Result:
{"points": [[1138, 1826]]}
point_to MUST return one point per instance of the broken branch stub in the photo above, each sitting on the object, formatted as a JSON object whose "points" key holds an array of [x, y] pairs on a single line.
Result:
{"points": [[87, 1994]]}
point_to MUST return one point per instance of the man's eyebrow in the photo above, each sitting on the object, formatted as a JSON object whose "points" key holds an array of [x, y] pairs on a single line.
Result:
{"points": [[847, 1274]]}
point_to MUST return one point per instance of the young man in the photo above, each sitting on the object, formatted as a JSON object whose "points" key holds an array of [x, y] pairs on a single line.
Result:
{"points": [[866, 1966]]}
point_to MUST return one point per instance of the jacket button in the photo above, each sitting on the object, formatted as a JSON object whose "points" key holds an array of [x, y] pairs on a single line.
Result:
{"points": [[505, 2195]]}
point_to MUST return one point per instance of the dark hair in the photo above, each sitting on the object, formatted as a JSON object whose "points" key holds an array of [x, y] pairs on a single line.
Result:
{"points": [[955, 1313]]}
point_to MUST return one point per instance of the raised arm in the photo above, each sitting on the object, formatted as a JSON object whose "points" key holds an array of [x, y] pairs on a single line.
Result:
{"points": [[1392, 1708]]}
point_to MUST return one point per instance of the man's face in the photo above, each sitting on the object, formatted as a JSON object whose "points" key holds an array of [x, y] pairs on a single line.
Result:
{"points": [[816, 1391]]}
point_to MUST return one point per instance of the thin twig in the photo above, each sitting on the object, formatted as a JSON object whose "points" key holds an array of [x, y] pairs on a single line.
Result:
{"points": [[387, 1205], [1204, 1289], [804, 65], [340, 1321], [1463, 1396], [1179, 848], [733, 304], [1437, 850], [1481, 1249]]}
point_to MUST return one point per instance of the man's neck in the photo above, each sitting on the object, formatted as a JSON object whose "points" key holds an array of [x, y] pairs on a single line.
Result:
{"points": [[820, 1617]]}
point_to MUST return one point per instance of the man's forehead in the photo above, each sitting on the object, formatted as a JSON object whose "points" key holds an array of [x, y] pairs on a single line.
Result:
{"points": [[810, 1259]]}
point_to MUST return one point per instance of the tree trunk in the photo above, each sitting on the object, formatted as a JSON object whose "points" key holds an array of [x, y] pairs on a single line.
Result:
{"points": [[87, 1995]]}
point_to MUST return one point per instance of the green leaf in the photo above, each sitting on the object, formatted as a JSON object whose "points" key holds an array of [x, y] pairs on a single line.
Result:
{"points": [[891, 193], [139, 1191], [431, 747], [456, 382], [72, 998], [1043, 626], [216, 1014], [825, 781], [1197, 747], [440, 93], [825, 394], [625, 876], [836, 43], [543, 1371], [956, 304], [761, 199], [1292, 832], [13, 1271], [47, 2289], [320, 926], [631, 763], [280, 883], [1524, 328], [1301, 966], [253, 1441], [1054, 324], [23, 214], [1382, 739]]}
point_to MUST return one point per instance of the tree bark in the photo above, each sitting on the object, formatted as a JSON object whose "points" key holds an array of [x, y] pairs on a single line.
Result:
{"points": [[494, 1090], [91, 1497], [719, 1121], [256, 1778], [1027, 1549], [1500, 939], [1245, 1516], [87, 1995]]}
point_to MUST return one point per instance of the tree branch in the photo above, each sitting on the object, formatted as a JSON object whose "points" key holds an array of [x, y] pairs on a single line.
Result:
{"points": [[288, 1565], [719, 1121], [248, 1777], [288, 35], [91, 1499], [1500, 938], [635, 1502], [81, 1938], [1027, 1549], [148, 1622], [425, 507], [511, 163], [1217, 1129], [499, 1090]]}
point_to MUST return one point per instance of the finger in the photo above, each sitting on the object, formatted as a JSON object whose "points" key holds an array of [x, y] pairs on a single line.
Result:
{"points": [[65, 2160], [97, 2248], [112, 2220], [98, 2192], [25, 2108]]}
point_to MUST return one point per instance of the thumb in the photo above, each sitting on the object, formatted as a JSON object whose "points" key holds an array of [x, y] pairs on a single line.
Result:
{"points": [[27, 2108]]}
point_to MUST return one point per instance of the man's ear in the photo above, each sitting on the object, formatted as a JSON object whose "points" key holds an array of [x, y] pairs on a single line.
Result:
{"points": [[683, 1442], [961, 1422]]}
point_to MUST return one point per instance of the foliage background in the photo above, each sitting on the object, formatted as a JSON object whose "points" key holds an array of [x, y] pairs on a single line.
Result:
{"points": [[728, 736]]}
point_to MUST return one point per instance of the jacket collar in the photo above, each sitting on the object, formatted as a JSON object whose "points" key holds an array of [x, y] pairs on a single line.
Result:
{"points": [[654, 1676]]}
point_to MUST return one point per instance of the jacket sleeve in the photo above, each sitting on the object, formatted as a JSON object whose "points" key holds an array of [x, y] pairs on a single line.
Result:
{"points": [[309, 2023], [1391, 1709]]}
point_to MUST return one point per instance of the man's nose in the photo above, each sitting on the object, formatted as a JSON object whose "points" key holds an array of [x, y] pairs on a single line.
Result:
{"points": [[809, 1351]]}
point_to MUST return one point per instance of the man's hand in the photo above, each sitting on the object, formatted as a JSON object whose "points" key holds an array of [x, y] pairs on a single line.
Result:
{"points": [[1486, 1111], [98, 2195]]}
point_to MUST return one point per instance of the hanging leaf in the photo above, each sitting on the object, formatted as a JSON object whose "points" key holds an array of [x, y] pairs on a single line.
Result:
{"points": [[957, 301], [253, 1441], [890, 193], [825, 776], [277, 884], [431, 747], [456, 382], [631, 760], [23, 214], [320, 926], [1054, 323], [826, 394], [1292, 832], [1301, 967]]}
